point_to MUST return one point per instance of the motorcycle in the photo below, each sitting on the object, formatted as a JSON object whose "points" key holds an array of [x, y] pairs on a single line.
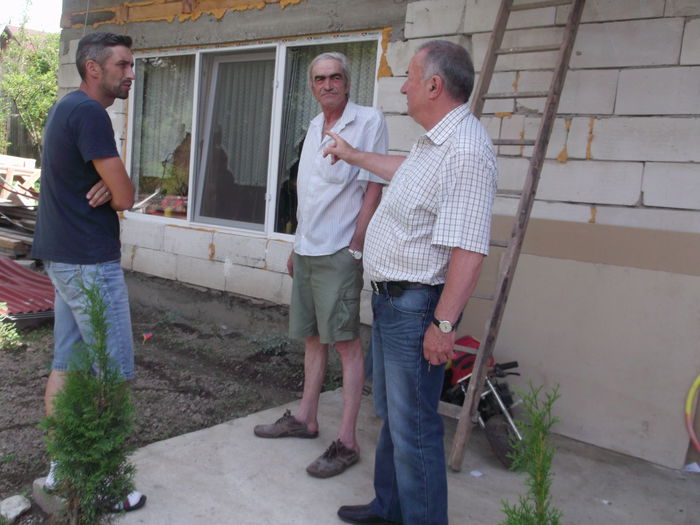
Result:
{"points": [[496, 403]]}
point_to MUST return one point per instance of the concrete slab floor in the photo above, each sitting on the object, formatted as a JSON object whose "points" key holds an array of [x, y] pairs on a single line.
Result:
{"points": [[225, 475]]}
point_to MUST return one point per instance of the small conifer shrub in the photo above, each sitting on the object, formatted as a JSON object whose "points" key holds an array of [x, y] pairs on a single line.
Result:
{"points": [[87, 433], [533, 456]]}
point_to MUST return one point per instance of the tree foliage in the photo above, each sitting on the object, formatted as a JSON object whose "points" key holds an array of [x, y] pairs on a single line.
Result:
{"points": [[533, 456], [28, 69], [92, 420]]}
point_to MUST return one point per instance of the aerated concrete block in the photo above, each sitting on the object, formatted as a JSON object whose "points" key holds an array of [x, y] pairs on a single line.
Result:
{"points": [[592, 182], [434, 18], [607, 10], [662, 139], [261, 284], [682, 8], [672, 185], [389, 96], [189, 241], [649, 218], [200, 272], [690, 52], [240, 249], [153, 262], [142, 231], [631, 43], [659, 91], [278, 254], [403, 132]]}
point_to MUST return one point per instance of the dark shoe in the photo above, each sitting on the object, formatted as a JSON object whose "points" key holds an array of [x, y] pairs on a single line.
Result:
{"points": [[286, 426], [333, 461], [360, 514]]}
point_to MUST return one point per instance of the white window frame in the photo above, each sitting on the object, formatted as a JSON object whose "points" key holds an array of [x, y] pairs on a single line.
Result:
{"points": [[279, 47]]}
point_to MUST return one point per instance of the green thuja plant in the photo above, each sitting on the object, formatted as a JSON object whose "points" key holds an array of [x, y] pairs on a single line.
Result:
{"points": [[87, 433], [9, 337], [533, 456]]}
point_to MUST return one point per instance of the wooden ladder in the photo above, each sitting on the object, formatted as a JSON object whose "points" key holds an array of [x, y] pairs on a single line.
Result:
{"points": [[468, 414]]}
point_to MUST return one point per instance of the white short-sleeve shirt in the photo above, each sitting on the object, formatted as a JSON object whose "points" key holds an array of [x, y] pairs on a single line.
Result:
{"points": [[330, 196]]}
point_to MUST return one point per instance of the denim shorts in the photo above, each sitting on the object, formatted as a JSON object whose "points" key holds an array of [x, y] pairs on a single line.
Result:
{"points": [[71, 322], [326, 297]]}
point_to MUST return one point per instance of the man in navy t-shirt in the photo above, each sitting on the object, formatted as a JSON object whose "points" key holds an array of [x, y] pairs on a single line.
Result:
{"points": [[83, 186]]}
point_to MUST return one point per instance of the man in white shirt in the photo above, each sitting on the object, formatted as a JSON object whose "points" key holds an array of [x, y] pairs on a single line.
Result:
{"points": [[335, 204], [425, 247]]}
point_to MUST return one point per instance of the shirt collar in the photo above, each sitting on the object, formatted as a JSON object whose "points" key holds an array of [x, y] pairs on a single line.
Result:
{"points": [[348, 116], [441, 131]]}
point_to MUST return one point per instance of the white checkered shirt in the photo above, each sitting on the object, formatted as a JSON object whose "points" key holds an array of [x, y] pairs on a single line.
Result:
{"points": [[439, 198]]}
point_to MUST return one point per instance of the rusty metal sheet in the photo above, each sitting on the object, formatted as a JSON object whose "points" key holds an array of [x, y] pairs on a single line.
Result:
{"points": [[25, 291]]}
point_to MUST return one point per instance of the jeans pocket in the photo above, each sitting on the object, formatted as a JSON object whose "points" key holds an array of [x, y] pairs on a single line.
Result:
{"points": [[413, 302]]}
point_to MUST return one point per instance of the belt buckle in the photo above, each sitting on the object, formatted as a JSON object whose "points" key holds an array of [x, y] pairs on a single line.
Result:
{"points": [[375, 288]]}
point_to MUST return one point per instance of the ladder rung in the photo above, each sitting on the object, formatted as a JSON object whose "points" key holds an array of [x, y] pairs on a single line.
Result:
{"points": [[516, 94], [513, 142], [449, 410], [509, 193], [483, 296], [539, 5], [527, 49], [498, 244]]}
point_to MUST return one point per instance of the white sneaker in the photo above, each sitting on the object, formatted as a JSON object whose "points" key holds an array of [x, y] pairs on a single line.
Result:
{"points": [[133, 501], [50, 481]]}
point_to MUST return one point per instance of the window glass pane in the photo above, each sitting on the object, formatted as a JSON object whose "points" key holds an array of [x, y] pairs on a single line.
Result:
{"points": [[236, 141], [162, 133], [300, 107]]}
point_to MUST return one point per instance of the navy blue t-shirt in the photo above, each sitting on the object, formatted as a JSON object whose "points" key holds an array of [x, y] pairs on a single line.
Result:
{"points": [[68, 229]]}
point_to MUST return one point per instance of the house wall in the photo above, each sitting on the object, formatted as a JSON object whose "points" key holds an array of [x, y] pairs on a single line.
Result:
{"points": [[606, 298]]}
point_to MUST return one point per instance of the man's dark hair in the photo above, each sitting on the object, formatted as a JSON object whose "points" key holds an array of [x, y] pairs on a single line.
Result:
{"points": [[97, 47], [452, 63]]}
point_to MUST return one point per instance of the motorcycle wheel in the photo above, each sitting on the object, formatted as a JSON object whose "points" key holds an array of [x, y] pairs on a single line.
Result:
{"points": [[501, 436]]}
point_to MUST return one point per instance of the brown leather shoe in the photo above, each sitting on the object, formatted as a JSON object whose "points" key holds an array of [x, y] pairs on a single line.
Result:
{"points": [[286, 426], [335, 460]]}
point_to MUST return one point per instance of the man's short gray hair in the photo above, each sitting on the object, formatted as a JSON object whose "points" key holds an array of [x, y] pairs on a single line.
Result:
{"points": [[452, 63], [332, 55]]}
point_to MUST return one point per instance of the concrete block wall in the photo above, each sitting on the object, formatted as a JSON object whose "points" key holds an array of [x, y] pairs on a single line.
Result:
{"points": [[625, 140]]}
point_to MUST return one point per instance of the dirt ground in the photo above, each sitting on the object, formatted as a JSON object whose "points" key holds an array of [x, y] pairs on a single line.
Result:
{"points": [[211, 357]]}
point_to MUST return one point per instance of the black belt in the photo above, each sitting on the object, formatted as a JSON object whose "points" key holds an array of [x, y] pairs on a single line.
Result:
{"points": [[396, 288]]}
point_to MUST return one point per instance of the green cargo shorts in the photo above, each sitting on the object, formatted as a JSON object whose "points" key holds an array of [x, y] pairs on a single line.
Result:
{"points": [[326, 297]]}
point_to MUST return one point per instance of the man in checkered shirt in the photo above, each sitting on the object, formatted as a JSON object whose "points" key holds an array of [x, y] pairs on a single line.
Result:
{"points": [[424, 249]]}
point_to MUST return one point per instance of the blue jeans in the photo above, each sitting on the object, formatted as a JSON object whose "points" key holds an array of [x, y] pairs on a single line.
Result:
{"points": [[71, 323], [410, 478]]}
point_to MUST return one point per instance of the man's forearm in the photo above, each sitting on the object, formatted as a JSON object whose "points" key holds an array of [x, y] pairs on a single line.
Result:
{"points": [[462, 276], [383, 166], [370, 201]]}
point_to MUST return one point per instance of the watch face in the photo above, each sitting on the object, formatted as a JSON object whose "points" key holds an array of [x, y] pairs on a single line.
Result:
{"points": [[356, 254], [445, 327]]}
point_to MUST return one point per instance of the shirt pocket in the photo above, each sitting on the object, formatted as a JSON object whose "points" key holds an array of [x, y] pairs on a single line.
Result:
{"points": [[337, 173]]}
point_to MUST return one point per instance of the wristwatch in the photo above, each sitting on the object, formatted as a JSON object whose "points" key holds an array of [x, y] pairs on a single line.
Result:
{"points": [[447, 326], [356, 254]]}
